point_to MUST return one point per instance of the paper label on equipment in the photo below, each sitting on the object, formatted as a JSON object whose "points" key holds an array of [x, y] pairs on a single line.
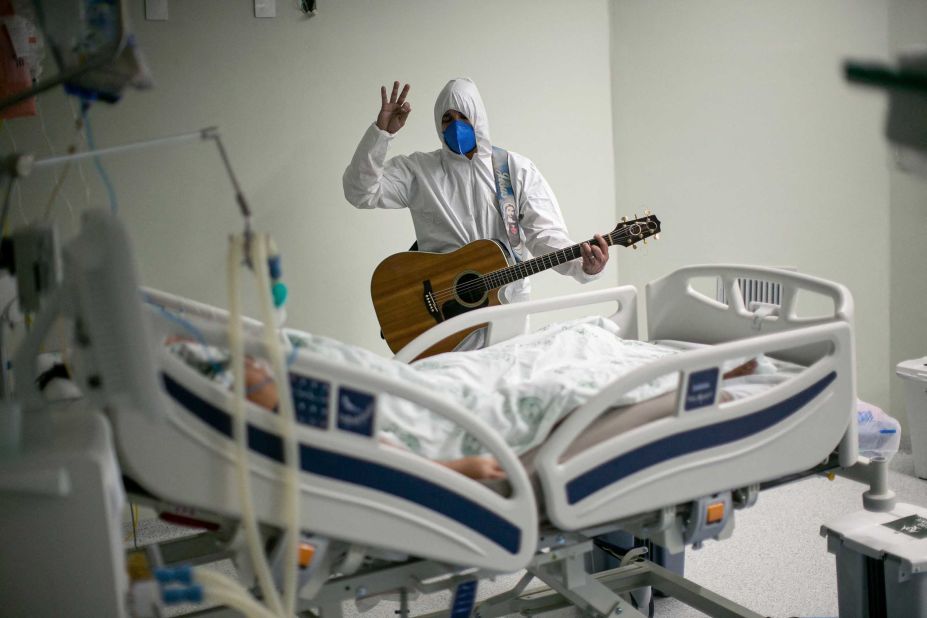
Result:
{"points": [[701, 388], [912, 525]]}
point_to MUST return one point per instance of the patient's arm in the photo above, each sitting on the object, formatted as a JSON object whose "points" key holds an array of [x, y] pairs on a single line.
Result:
{"points": [[261, 390], [479, 467]]}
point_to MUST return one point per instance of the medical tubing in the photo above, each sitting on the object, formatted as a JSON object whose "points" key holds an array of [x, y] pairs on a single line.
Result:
{"points": [[288, 416], [237, 353], [225, 590], [190, 328], [104, 177], [246, 605]]}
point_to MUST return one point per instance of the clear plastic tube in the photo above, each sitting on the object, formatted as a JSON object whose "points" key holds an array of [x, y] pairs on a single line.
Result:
{"points": [[288, 417], [223, 589], [243, 469]]}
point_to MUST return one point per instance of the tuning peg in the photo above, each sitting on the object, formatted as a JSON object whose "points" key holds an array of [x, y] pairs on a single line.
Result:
{"points": [[647, 213], [645, 241], [624, 219], [635, 215], [634, 247], [656, 237]]}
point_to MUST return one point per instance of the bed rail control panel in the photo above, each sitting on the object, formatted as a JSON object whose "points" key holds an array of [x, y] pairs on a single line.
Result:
{"points": [[310, 400], [710, 518]]}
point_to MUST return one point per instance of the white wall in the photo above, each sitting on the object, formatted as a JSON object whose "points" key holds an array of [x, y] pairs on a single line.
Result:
{"points": [[292, 97], [907, 28], [734, 124], [730, 120]]}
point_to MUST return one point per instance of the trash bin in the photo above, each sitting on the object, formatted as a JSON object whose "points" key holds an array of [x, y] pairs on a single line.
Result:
{"points": [[914, 374], [881, 562]]}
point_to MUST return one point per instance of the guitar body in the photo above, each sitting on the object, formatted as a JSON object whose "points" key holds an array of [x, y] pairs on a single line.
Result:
{"points": [[414, 291]]}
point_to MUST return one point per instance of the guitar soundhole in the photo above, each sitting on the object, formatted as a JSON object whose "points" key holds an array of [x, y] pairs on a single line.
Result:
{"points": [[469, 289]]}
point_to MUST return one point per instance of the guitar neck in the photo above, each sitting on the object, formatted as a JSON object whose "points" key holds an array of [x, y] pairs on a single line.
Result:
{"points": [[510, 274]]}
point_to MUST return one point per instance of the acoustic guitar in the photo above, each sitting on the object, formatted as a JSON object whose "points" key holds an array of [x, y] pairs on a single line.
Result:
{"points": [[414, 290]]}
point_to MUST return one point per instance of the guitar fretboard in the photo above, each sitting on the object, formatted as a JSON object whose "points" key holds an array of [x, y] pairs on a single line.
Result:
{"points": [[524, 269]]}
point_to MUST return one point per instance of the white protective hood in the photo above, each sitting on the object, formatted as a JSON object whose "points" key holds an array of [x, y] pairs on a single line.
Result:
{"points": [[462, 95]]}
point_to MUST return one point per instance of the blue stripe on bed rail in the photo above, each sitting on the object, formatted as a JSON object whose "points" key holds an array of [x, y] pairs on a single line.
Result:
{"points": [[358, 472], [691, 441]]}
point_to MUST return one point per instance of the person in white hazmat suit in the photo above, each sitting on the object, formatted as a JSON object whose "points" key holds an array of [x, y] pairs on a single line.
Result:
{"points": [[452, 192]]}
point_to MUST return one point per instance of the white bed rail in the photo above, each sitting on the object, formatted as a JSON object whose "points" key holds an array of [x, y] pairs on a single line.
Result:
{"points": [[675, 310], [354, 487], [636, 471], [507, 321]]}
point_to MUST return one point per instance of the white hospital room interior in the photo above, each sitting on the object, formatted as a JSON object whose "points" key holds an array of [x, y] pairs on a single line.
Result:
{"points": [[659, 348]]}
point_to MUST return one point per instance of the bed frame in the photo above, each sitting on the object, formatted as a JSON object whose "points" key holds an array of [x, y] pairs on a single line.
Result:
{"points": [[391, 519], [408, 516]]}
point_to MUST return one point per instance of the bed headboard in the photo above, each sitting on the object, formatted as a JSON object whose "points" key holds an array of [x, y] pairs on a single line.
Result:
{"points": [[677, 309]]}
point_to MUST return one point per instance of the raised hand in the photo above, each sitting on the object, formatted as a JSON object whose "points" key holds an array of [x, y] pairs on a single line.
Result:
{"points": [[395, 110]]}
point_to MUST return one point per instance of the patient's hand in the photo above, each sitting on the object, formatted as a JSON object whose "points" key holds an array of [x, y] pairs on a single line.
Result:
{"points": [[259, 384], [479, 467]]}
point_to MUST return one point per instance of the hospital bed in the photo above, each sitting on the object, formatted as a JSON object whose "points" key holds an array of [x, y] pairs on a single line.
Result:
{"points": [[383, 519], [379, 500]]}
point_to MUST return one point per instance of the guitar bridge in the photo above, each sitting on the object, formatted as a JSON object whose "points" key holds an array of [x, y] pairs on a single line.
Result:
{"points": [[430, 304]]}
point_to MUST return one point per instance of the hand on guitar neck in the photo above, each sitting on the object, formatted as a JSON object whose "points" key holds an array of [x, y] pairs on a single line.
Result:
{"points": [[595, 256]]}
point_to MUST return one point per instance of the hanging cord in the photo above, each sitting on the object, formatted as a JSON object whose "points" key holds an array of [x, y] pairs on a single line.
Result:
{"points": [[88, 129], [79, 129], [59, 180]]}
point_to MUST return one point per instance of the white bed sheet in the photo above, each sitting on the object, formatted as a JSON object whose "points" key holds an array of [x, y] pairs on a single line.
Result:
{"points": [[520, 387]]}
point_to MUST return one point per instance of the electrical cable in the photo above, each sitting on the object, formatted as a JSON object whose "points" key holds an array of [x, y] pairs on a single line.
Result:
{"points": [[78, 127], [59, 180], [51, 200]]}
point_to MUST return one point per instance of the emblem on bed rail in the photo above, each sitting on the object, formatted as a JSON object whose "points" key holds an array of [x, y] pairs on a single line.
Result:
{"points": [[355, 411], [414, 290]]}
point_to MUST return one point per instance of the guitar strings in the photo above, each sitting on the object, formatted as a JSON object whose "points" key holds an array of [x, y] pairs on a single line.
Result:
{"points": [[480, 282], [441, 295]]}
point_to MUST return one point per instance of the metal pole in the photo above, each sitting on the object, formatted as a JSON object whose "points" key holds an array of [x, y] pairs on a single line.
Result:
{"points": [[202, 134]]}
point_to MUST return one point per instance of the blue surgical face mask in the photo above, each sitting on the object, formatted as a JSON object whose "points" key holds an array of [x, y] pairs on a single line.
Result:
{"points": [[459, 137]]}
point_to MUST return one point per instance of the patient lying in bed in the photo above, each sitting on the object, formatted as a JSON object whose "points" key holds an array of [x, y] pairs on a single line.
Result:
{"points": [[522, 387]]}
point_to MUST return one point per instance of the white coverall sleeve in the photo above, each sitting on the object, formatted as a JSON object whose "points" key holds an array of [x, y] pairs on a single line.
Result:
{"points": [[543, 224], [370, 181]]}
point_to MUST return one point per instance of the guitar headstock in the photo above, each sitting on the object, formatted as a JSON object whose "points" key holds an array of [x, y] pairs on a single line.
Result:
{"points": [[630, 232]]}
